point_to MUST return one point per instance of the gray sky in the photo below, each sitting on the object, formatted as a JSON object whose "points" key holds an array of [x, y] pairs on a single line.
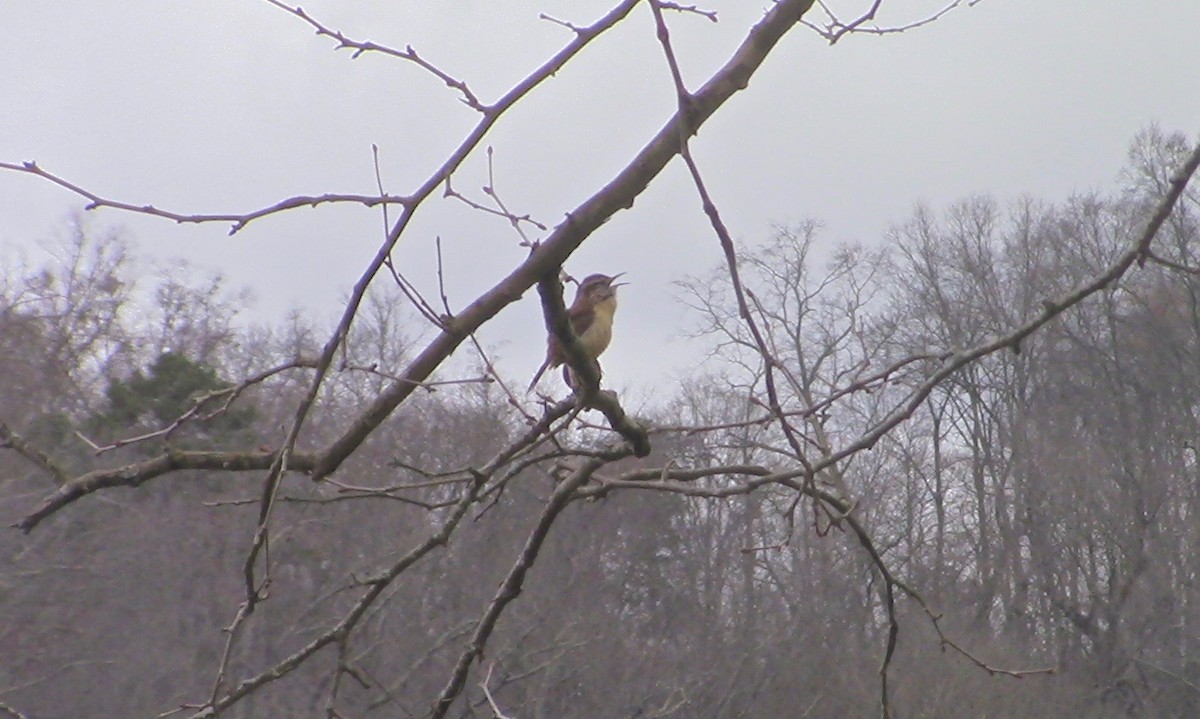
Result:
{"points": [[231, 105]]}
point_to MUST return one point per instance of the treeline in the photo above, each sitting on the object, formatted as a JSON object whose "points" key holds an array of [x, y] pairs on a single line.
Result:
{"points": [[1042, 500]]}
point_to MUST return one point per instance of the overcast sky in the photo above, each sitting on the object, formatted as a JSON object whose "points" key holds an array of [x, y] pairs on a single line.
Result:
{"points": [[231, 105]]}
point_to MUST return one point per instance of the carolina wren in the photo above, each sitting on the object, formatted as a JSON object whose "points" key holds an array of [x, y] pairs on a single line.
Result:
{"points": [[591, 316]]}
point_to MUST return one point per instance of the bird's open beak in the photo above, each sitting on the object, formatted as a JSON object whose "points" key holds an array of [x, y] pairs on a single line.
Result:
{"points": [[612, 283]]}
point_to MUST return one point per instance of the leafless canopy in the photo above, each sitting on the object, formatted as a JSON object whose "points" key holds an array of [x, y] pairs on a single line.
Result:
{"points": [[816, 385]]}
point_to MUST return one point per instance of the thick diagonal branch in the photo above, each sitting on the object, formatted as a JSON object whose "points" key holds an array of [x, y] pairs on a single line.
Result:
{"points": [[618, 194]]}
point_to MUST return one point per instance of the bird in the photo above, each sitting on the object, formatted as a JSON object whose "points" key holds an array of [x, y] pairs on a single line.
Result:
{"points": [[591, 316]]}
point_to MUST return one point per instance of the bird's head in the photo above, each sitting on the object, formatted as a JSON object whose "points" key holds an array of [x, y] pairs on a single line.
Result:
{"points": [[597, 288]]}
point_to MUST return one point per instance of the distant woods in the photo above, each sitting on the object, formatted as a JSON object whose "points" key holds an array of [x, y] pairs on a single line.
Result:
{"points": [[1035, 511]]}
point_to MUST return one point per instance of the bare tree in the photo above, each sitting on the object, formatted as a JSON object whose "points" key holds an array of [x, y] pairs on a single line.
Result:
{"points": [[336, 595]]}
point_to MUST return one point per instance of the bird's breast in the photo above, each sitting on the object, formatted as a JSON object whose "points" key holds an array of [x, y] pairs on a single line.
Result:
{"points": [[596, 337]]}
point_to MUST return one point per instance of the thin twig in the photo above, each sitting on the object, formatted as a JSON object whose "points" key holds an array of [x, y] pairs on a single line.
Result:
{"points": [[685, 101], [710, 14], [1182, 680], [487, 693], [361, 47], [1171, 264], [238, 220], [561, 23], [405, 286], [26, 449], [501, 210], [430, 385], [11, 712], [231, 633], [835, 29], [193, 414]]}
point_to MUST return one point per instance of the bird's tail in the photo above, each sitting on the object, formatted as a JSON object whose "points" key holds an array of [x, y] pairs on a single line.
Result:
{"points": [[541, 370]]}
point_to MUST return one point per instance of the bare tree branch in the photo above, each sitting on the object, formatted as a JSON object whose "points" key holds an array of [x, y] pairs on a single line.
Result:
{"points": [[510, 588], [620, 193], [361, 47], [487, 693], [677, 7], [490, 115], [137, 473], [710, 209], [238, 220], [193, 414], [30, 452], [500, 210], [11, 712], [835, 29], [580, 223], [375, 587]]}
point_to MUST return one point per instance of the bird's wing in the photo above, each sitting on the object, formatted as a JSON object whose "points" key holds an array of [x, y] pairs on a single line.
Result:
{"points": [[581, 321]]}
